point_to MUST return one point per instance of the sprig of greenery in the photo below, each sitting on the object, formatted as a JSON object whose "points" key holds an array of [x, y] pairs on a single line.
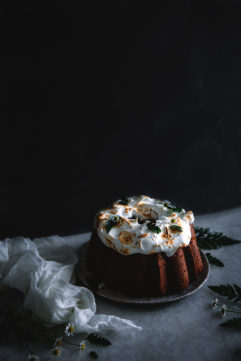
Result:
{"points": [[214, 260], [153, 228], [234, 323], [173, 208], [111, 222], [212, 240], [232, 292], [174, 228], [96, 339]]}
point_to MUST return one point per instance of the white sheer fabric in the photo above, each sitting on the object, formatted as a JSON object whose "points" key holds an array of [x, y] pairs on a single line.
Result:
{"points": [[42, 270]]}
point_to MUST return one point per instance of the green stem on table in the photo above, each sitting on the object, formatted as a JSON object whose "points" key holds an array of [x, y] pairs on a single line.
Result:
{"points": [[70, 343], [63, 340], [233, 311]]}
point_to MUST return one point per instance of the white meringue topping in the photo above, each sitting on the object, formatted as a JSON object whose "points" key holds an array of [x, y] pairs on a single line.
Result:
{"points": [[144, 225]]}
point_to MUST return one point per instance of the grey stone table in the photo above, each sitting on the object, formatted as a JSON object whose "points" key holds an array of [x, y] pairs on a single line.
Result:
{"points": [[186, 329]]}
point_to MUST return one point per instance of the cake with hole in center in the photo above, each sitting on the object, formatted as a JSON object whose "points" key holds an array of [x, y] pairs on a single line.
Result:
{"points": [[143, 246]]}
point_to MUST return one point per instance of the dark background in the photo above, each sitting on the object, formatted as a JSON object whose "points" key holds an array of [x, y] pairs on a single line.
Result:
{"points": [[103, 101]]}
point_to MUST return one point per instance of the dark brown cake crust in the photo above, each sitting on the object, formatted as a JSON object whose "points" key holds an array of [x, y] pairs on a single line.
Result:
{"points": [[145, 275]]}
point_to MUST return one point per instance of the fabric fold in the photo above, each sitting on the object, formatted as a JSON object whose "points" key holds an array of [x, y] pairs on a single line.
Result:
{"points": [[42, 269]]}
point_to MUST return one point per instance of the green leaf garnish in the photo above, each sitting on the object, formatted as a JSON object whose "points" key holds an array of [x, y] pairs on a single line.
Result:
{"points": [[173, 208], [175, 228], [124, 201], [96, 339], [214, 260], [234, 323], [153, 228], [212, 240], [232, 292], [111, 222]]}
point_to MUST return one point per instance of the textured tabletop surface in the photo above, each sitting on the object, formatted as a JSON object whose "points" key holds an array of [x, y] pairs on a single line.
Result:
{"points": [[186, 329]]}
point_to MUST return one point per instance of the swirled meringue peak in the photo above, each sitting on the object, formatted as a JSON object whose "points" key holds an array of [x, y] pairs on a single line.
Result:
{"points": [[144, 225]]}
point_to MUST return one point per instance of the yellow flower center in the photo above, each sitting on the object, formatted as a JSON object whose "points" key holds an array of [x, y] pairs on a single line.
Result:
{"points": [[71, 329], [56, 351]]}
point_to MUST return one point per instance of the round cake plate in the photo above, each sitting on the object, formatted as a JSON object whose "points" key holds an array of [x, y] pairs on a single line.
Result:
{"points": [[85, 278]]}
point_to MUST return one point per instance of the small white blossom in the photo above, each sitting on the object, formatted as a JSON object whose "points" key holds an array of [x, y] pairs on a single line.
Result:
{"points": [[33, 357], [69, 330], [58, 342], [166, 203], [215, 303], [57, 351], [223, 310], [82, 345]]}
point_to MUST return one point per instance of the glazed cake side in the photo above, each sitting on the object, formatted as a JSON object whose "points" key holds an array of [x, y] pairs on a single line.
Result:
{"points": [[145, 275]]}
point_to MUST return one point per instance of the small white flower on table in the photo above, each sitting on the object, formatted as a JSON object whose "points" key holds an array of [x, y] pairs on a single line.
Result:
{"points": [[69, 330], [223, 310], [57, 351], [82, 345], [58, 342], [215, 303]]}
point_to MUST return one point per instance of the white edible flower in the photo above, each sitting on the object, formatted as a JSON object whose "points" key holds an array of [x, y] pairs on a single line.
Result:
{"points": [[69, 330], [166, 203], [215, 303], [57, 351], [58, 342], [82, 345], [33, 357], [223, 310]]}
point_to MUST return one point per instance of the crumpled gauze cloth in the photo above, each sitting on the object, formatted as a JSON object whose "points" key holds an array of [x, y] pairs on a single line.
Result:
{"points": [[42, 269]]}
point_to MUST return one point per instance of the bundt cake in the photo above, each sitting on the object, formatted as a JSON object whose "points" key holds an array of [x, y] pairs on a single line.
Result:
{"points": [[142, 246]]}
